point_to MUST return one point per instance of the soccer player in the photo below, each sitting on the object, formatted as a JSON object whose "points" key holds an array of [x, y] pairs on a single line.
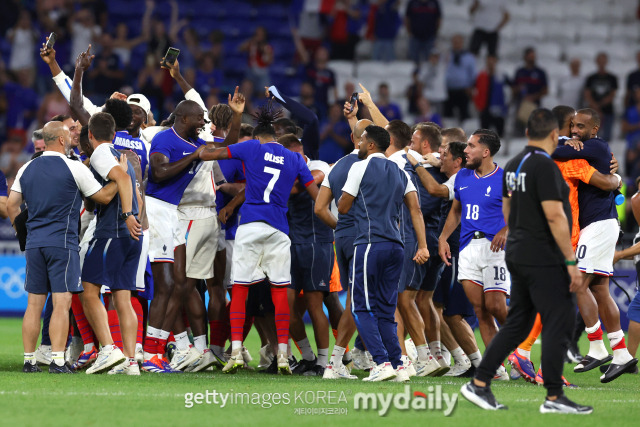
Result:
{"points": [[114, 253], [262, 247], [596, 248], [478, 209], [52, 186], [413, 272], [375, 189]]}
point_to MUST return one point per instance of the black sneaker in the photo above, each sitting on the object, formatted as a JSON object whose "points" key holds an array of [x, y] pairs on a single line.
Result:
{"points": [[562, 405], [30, 368], [64, 369], [481, 396], [470, 373], [317, 370], [304, 366]]}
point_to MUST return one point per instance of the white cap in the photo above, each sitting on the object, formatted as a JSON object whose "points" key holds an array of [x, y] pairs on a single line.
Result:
{"points": [[140, 100]]}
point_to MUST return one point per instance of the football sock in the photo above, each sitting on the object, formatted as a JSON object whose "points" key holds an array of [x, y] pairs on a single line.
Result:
{"points": [[305, 349], [279, 297], [620, 353], [30, 358], [150, 345], [458, 355], [436, 351], [137, 307], [57, 357], [524, 353], [163, 337], [81, 320], [423, 352], [89, 347], [237, 313], [182, 341], [200, 342], [114, 327], [323, 357], [475, 358], [533, 336], [597, 349], [336, 356], [282, 348], [218, 331]]}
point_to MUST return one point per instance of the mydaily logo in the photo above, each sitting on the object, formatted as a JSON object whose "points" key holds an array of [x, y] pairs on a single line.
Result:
{"points": [[433, 400]]}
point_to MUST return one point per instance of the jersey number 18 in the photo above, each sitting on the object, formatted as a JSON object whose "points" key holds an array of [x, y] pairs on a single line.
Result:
{"points": [[473, 212]]}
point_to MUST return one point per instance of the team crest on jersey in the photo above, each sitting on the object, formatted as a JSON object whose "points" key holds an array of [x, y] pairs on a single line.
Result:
{"points": [[488, 191], [322, 284], [164, 249]]}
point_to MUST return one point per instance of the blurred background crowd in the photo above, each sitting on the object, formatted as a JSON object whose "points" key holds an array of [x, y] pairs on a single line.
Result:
{"points": [[468, 63]]}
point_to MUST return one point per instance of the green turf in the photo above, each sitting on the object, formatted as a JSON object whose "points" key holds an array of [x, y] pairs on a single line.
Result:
{"points": [[153, 399]]}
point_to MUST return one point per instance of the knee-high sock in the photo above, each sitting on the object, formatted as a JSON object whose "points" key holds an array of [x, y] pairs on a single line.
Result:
{"points": [[114, 327], [281, 304], [237, 311]]}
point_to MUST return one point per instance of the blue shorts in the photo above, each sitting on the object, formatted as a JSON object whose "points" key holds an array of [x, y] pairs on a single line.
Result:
{"points": [[432, 272], [112, 263], [412, 273], [344, 257], [311, 266], [449, 293], [634, 308], [53, 270]]}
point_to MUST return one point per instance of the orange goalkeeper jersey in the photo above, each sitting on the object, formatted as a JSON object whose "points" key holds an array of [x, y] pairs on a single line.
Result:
{"points": [[574, 171]]}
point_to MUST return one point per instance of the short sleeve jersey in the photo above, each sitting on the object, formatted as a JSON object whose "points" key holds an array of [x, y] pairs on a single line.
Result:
{"points": [[379, 187], [52, 186], [481, 200], [109, 222], [271, 171], [530, 241], [335, 182], [123, 140], [170, 144]]}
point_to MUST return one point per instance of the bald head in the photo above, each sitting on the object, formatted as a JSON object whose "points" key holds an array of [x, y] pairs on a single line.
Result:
{"points": [[188, 108], [359, 128], [52, 131]]}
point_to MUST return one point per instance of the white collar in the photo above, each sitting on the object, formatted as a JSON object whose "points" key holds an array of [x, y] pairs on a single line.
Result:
{"points": [[381, 155], [355, 151], [52, 153]]}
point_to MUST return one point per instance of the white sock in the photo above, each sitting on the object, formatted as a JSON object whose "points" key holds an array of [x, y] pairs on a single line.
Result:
{"points": [[182, 340], [57, 357], [336, 356], [446, 354], [597, 349], [153, 332], [475, 358], [236, 345], [30, 357], [305, 349], [323, 357], [164, 335], [458, 355], [620, 355], [200, 342], [436, 351], [282, 348], [423, 352], [45, 348], [89, 347], [524, 353]]}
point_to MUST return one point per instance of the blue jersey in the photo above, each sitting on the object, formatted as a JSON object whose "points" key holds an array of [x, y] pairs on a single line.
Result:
{"points": [[125, 141], [271, 171], [304, 225], [595, 204], [52, 185], [335, 181], [379, 187], [109, 222], [407, 232], [233, 171], [3, 185], [170, 144], [481, 200]]}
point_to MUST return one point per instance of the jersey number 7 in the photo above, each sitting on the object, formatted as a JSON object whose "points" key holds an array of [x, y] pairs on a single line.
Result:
{"points": [[272, 181]]}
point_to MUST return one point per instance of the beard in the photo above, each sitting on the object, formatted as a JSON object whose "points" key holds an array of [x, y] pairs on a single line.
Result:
{"points": [[193, 133], [473, 164]]}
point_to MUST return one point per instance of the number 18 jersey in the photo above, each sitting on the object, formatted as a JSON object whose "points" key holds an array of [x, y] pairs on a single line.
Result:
{"points": [[270, 170], [481, 200]]}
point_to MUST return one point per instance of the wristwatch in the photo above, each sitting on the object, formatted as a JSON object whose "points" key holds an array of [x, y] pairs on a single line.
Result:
{"points": [[125, 215], [417, 165]]}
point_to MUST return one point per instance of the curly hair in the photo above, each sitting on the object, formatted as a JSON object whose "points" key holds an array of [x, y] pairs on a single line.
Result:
{"points": [[220, 115], [265, 117], [120, 111]]}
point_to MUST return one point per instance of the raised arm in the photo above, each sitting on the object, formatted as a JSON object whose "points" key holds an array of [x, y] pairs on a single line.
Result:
{"points": [[210, 152], [376, 115], [75, 98], [308, 120]]}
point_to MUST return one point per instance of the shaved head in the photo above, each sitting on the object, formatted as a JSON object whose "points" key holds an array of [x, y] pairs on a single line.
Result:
{"points": [[359, 128], [52, 131], [188, 108]]}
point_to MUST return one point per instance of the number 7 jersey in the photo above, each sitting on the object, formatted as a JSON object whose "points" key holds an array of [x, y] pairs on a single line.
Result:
{"points": [[271, 171], [481, 200]]}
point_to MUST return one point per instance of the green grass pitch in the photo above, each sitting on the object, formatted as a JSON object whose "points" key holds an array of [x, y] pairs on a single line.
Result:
{"points": [[152, 399]]}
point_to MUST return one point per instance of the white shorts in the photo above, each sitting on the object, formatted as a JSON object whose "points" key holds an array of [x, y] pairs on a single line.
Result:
{"points": [[484, 267], [261, 251], [163, 229], [596, 247], [201, 239], [142, 263]]}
